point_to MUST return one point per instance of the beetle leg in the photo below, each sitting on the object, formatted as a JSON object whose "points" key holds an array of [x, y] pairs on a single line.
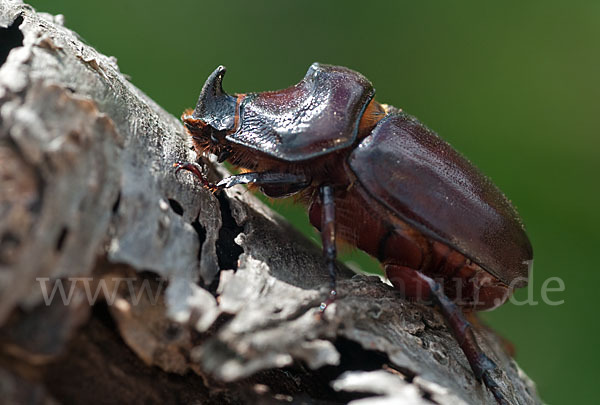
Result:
{"points": [[263, 178], [195, 169], [259, 178], [328, 239], [418, 285]]}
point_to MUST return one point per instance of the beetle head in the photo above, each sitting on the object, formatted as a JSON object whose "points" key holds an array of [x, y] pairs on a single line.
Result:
{"points": [[213, 116]]}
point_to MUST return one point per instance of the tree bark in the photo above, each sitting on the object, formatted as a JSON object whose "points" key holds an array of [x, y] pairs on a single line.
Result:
{"points": [[201, 298]]}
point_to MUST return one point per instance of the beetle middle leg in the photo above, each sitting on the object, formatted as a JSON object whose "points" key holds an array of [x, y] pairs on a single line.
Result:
{"points": [[328, 240], [291, 182], [416, 285], [278, 184]]}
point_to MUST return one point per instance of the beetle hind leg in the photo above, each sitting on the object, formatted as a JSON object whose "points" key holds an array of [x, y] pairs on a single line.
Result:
{"points": [[415, 285]]}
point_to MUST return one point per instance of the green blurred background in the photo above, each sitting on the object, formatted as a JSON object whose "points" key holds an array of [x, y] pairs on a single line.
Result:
{"points": [[513, 85]]}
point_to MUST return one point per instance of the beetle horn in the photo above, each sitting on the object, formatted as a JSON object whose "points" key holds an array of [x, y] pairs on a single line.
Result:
{"points": [[215, 107]]}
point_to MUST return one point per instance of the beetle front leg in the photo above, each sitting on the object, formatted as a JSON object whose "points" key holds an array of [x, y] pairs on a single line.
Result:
{"points": [[264, 178], [328, 240], [195, 169], [296, 181]]}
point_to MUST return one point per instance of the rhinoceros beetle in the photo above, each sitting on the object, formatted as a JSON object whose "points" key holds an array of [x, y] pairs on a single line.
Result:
{"points": [[378, 179]]}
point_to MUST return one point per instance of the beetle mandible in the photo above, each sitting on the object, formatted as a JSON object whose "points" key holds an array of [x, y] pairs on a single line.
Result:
{"points": [[378, 179]]}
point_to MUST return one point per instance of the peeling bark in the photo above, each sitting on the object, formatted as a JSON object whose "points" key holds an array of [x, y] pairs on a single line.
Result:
{"points": [[206, 299]]}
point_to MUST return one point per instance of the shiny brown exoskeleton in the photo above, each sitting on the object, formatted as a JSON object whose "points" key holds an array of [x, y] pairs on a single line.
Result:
{"points": [[377, 179]]}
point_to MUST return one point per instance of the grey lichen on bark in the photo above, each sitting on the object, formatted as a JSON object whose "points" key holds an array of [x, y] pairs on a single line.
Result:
{"points": [[215, 297]]}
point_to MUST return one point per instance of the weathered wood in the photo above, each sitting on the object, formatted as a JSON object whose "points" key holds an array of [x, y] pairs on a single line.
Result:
{"points": [[88, 196]]}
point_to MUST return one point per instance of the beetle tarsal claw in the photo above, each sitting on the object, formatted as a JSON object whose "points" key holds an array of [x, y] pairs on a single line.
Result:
{"points": [[225, 183], [330, 300], [213, 188], [196, 170]]}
